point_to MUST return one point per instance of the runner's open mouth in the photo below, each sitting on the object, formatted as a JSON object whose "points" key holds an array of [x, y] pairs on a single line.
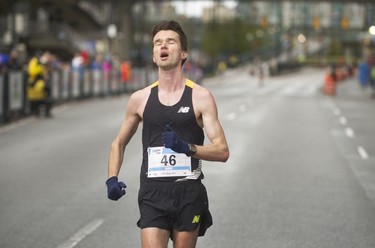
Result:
{"points": [[164, 55]]}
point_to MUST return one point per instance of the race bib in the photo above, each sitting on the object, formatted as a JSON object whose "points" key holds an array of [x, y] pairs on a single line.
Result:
{"points": [[164, 162]]}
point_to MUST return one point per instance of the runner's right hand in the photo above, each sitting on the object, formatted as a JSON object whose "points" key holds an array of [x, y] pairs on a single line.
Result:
{"points": [[115, 189]]}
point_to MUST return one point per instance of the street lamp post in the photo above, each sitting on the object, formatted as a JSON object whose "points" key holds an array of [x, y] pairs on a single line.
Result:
{"points": [[111, 33]]}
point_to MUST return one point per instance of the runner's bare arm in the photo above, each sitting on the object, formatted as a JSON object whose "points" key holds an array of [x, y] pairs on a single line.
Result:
{"points": [[218, 149], [128, 128]]}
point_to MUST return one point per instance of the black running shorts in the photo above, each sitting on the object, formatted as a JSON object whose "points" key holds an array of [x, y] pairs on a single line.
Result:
{"points": [[179, 206]]}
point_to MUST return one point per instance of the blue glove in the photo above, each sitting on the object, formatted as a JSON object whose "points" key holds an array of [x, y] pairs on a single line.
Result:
{"points": [[172, 141], [115, 189]]}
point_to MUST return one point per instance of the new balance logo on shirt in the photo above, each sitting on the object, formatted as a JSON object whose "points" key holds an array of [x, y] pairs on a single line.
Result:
{"points": [[183, 110]]}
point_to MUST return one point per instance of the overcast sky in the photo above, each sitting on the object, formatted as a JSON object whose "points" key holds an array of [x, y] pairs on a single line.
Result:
{"points": [[195, 7]]}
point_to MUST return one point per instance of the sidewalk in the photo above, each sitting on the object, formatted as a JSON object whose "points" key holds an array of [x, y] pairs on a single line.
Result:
{"points": [[350, 88]]}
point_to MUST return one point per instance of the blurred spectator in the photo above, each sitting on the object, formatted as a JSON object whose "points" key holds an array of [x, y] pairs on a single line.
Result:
{"points": [[363, 73], [221, 67], [39, 87], [77, 61], [107, 64], [46, 61], [233, 61], [125, 71], [36, 93], [372, 80], [333, 72], [97, 64], [107, 68], [193, 72], [85, 58], [3, 61], [14, 63], [116, 63], [35, 68], [371, 63], [261, 73], [54, 62]]}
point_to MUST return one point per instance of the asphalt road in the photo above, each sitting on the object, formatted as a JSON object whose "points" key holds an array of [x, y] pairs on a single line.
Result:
{"points": [[301, 171]]}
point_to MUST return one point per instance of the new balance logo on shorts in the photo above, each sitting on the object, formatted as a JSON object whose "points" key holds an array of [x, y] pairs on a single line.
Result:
{"points": [[183, 110], [196, 219]]}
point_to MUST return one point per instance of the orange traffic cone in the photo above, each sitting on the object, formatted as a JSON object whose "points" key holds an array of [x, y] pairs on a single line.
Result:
{"points": [[329, 85]]}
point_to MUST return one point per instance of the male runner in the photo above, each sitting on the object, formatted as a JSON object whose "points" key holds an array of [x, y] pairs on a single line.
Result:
{"points": [[174, 110]]}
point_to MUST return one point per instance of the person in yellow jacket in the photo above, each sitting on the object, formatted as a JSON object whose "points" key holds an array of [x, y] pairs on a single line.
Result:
{"points": [[38, 87], [36, 93], [34, 68]]}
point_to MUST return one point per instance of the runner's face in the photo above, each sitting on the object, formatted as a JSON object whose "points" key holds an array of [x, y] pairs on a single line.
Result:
{"points": [[167, 52]]}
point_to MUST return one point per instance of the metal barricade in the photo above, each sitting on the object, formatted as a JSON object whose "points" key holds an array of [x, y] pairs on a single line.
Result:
{"points": [[87, 87], [2, 97], [106, 82], [115, 82], [76, 84], [16, 91], [55, 85], [97, 79], [68, 84], [65, 84]]}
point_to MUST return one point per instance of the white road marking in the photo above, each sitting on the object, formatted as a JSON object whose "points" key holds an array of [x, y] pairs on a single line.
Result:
{"points": [[362, 152], [81, 234], [289, 90], [231, 116], [349, 132], [343, 120], [310, 90]]}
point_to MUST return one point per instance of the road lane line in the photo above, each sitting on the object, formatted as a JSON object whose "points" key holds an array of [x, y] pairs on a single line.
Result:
{"points": [[343, 120], [349, 132], [81, 234], [362, 152], [231, 116]]}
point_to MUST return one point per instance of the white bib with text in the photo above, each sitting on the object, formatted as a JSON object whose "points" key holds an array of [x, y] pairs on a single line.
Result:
{"points": [[164, 162]]}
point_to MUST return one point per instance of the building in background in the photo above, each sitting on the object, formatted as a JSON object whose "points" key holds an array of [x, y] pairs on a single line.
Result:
{"points": [[296, 28]]}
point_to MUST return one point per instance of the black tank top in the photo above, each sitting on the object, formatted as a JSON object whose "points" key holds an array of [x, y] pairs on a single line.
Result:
{"points": [[181, 119]]}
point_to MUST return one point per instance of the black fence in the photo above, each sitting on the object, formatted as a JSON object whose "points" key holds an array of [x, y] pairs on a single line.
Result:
{"points": [[68, 85]]}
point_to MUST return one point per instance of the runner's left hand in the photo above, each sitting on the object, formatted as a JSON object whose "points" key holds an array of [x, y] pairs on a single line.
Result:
{"points": [[172, 141]]}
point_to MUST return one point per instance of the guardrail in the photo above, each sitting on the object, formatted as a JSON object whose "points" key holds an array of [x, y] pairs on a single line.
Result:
{"points": [[67, 85]]}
